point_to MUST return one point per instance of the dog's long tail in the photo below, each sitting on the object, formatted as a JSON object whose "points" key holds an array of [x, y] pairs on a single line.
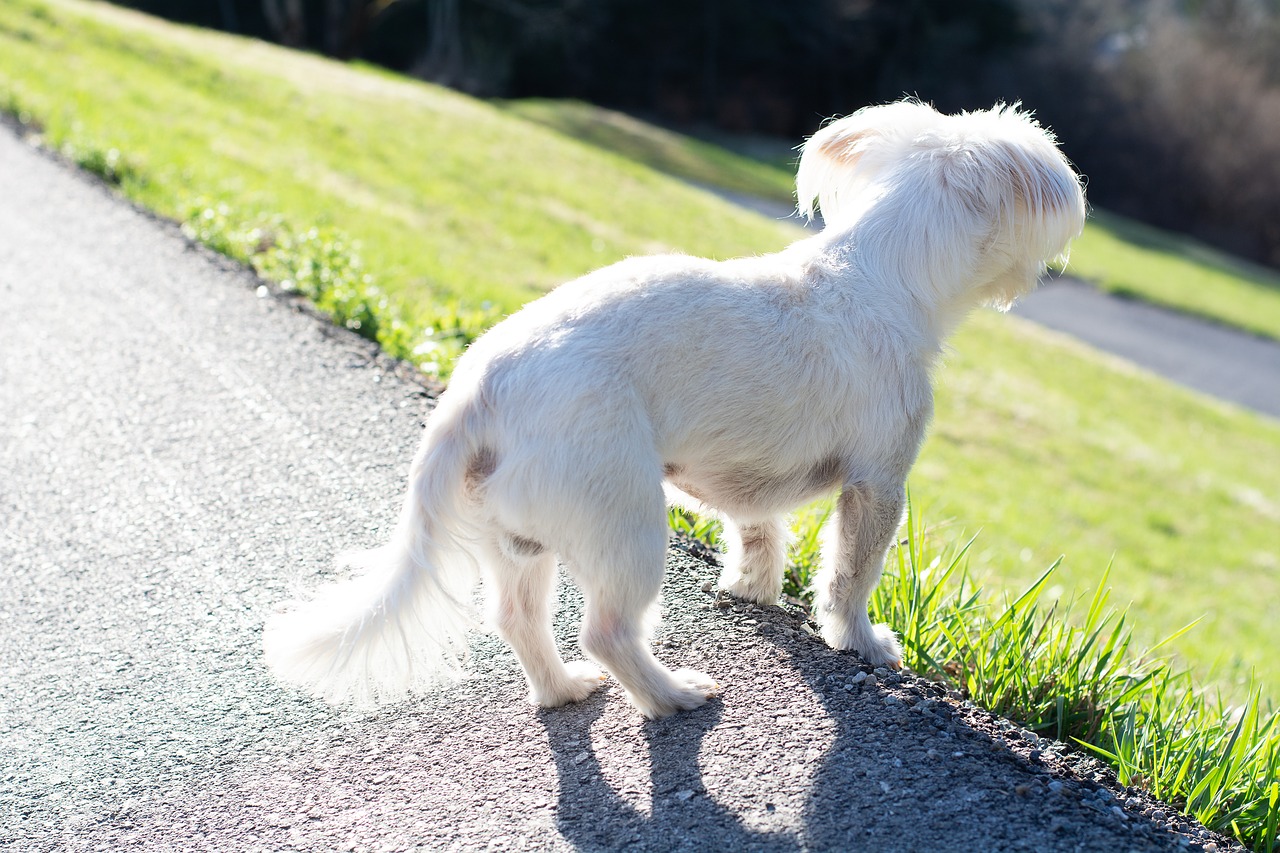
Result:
{"points": [[399, 624]]}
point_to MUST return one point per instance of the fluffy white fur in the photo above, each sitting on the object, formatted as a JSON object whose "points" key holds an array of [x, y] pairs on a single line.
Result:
{"points": [[747, 387]]}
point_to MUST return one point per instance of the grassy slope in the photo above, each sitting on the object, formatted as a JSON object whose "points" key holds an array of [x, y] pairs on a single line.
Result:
{"points": [[1047, 446], [673, 153], [452, 197], [1133, 259]]}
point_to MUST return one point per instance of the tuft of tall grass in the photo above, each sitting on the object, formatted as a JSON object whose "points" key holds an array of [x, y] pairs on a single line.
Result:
{"points": [[704, 528], [1218, 762], [1071, 672]]}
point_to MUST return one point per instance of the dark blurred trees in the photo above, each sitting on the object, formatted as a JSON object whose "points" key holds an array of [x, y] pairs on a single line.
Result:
{"points": [[1171, 107], [770, 66], [775, 66]]}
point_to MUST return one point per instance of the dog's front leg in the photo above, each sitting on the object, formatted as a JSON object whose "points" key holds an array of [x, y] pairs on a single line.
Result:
{"points": [[855, 541]]}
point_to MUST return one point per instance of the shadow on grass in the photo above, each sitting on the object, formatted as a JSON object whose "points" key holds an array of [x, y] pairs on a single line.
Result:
{"points": [[706, 162]]}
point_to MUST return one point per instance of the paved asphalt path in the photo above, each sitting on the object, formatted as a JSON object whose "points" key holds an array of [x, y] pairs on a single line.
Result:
{"points": [[177, 452], [1217, 360]]}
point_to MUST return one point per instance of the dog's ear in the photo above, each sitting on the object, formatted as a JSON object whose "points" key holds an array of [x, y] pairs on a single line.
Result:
{"points": [[1013, 176], [1042, 200], [842, 161]]}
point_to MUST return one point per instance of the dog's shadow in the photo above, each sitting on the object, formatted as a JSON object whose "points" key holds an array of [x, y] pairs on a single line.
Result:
{"points": [[592, 815]]}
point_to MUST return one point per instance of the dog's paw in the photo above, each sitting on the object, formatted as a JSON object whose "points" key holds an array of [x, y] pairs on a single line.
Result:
{"points": [[582, 680], [760, 588], [688, 689], [884, 648], [877, 644], [753, 573]]}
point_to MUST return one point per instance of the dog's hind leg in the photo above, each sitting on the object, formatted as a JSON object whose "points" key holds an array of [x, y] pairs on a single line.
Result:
{"points": [[524, 583], [855, 541], [620, 573], [755, 559]]}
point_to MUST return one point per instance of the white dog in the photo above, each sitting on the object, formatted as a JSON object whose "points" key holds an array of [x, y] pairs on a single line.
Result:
{"points": [[749, 386]]}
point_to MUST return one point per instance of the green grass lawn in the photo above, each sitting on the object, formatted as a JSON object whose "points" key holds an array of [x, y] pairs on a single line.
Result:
{"points": [[1046, 446]]}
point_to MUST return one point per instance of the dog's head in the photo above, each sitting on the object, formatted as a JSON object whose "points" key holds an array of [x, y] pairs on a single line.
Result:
{"points": [[966, 207]]}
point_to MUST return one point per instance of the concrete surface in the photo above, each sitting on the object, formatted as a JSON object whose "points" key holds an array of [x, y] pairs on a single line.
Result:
{"points": [[1218, 360]]}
